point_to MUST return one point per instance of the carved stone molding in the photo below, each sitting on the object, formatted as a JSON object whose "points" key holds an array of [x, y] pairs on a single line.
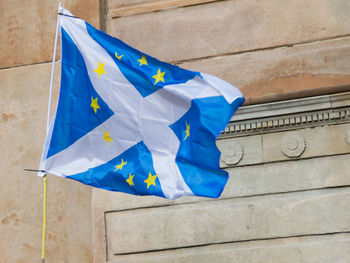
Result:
{"points": [[293, 144], [290, 115], [232, 152]]}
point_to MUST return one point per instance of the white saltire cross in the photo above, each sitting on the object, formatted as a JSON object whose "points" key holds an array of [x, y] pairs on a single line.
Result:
{"points": [[136, 118]]}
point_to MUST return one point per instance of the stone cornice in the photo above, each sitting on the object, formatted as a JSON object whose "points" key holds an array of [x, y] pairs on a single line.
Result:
{"points": [[290, 115], [153, 6]]}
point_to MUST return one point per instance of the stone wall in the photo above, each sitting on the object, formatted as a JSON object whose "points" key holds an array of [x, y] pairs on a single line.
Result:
{"points": [[26, 45], [287, 195], [265, 48], [288, 192]]}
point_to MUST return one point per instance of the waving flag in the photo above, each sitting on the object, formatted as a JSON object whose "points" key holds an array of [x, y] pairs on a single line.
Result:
{"points": [[128, 122]]}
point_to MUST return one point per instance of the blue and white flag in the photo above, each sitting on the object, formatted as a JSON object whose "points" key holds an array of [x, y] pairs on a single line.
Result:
{"points": [[128, 122]]}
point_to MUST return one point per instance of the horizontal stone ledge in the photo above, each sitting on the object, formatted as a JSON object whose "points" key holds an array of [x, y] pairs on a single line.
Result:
{"points": [[293, 214], [325, 248], [289, 122], [294, 106], [249, 181], [297, 94], [231, 26], [117, 9]]}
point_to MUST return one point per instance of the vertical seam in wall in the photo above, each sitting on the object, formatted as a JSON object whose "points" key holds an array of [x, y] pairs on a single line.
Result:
{"points": [[106, 240], [107, 20], [103, 7], [262, 147]]}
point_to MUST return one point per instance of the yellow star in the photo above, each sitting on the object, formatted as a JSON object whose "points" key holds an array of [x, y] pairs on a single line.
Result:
{"points": [[130, 179], [143, 60], [120, 166], [118, 57], [100, 70], [94, 104], [151, 180], [159, 77], [106, 137], [187, 131]]}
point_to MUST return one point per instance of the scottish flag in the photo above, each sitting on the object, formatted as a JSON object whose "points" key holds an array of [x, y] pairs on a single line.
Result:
{"points": [[128, 122]]}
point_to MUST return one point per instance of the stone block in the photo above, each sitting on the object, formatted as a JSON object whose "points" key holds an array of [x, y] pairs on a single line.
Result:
{"points": [[278, 108], [286, 70], [23, 107], [113, 4], [314, 249], [242, 151], [268, 178], [226, 27], [28, 28], [231, 220], [290, 176], [319, 141], [127, 8], [340, 100]]}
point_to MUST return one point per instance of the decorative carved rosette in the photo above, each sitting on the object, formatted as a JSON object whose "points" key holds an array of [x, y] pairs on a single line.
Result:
{"points": [[232, 153], [293, 145]]}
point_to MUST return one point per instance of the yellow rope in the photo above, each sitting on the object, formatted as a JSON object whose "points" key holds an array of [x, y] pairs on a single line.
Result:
{"points": [[44, 221]]}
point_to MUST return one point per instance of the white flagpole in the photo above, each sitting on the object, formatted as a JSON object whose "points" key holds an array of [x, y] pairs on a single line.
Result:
{"points": [[47, 130], [53, 70]]}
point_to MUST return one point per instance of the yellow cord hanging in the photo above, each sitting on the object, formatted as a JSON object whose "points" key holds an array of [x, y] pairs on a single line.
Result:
{"points": [[44, 221]]}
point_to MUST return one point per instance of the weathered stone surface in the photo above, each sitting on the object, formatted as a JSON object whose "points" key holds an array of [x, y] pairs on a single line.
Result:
{"points": [[143, 4], [297, 106], [316, 142], [231, 26], [98, 202], [282, 70], [329, 248], [320, 141], [245, 181], [288, 176], [270, 216], [252, 150], [23, 106], [113, 4], [339, 100], [138, 7], [27, 31]]}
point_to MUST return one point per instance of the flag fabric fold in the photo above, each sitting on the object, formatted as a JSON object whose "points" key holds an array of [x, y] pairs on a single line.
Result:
{"points": [[128, 122]]}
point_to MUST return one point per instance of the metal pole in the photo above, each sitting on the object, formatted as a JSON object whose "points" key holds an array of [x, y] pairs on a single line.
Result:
{"points": [[47, 130]]}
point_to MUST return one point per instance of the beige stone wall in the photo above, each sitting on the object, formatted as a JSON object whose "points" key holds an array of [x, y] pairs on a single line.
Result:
{"points": [[27, 30], [280, 205], [265, 48], [26, 44], [274, 209], [286, 196]]}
